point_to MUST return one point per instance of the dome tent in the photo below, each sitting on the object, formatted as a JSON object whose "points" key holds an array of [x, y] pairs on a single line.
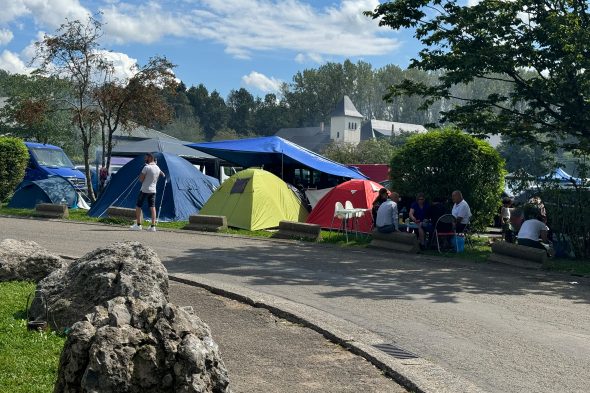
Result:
{"points": [[54, 189], [187, 189], [361, 193], [255, 199]]}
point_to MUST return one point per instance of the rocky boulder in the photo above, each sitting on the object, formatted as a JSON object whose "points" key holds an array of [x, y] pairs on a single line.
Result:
{"points": [[26, 261], [122, 269], [130, 346]]}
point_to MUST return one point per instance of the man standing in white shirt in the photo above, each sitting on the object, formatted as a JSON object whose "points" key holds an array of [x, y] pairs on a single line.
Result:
{"points": [[149, 179], [461, 211], [387, 218]]}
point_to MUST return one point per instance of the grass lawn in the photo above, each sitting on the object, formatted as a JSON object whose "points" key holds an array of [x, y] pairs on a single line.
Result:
{"points": [[28, 360]]}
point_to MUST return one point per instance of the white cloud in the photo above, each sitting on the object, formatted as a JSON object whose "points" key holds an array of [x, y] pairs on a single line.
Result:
{"points": [[51, 13], [145, 24], [248, 26], [11, 62], [5, 36], [262, 82], [124, 66], [309, 57]]}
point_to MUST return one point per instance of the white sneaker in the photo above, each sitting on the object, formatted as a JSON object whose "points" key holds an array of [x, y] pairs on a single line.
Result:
{"points": [[135, 227], [152, 228]]}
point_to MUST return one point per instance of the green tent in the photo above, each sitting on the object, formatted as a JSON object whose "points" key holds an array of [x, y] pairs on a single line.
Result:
{"points": [[255, 199]]}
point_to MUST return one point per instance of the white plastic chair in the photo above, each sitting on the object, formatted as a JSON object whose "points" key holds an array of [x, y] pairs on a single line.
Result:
{"points": [[340, 214]]}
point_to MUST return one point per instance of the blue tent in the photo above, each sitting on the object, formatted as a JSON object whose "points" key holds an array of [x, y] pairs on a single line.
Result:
{"points": [[561, 176], [187, 189], [276, 152], [54, 189]]}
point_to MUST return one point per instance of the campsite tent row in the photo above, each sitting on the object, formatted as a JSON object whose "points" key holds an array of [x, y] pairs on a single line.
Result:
{"points": [[252, 199]]}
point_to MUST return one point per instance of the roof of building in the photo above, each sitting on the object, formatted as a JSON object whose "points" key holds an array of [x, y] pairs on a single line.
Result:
{"points": [[345, 107], [311, 138], [139, 132], [382, 128]]}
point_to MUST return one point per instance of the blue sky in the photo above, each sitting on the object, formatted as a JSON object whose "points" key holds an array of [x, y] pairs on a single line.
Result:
{"points": [[224, 44]]}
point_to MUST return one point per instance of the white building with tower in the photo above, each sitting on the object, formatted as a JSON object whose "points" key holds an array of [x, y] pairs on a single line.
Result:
{"points": [[346, 126]]}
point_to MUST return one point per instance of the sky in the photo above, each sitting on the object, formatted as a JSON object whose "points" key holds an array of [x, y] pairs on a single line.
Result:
{"points": [[224, 44]]}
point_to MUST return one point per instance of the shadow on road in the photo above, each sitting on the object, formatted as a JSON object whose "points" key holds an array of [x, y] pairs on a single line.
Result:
{"points": [[370, 274]]}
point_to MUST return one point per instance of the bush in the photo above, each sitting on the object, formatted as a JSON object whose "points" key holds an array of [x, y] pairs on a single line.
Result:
{"points": [[439, 162], [372, 151], [13, 162]]}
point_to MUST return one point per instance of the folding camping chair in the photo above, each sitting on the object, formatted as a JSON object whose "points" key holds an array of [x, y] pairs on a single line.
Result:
{"points": [[444, 219]]}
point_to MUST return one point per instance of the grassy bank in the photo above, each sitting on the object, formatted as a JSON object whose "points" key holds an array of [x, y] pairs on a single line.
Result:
{"points": [[28, 360]]}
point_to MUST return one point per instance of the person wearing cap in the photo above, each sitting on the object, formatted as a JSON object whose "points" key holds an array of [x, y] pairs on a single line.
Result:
{"points": [[149, 179]]}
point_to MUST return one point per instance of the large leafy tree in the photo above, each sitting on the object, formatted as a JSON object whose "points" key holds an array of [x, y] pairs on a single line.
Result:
{"points": [[439, 162], [33, 111], [122, 104], [74, 54], [539, 49], [242, 107]]}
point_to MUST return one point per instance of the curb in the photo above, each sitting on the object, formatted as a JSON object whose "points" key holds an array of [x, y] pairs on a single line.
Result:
{"points": [[417, 375]]}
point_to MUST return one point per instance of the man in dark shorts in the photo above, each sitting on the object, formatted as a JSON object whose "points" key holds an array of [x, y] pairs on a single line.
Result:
{"points": [[149, 179]]}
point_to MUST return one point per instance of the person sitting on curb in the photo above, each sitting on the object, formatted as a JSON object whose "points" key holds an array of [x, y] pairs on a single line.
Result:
{"points": [[382, 197], [418, 213], [461, 211], [387, 216], [531, 231]]}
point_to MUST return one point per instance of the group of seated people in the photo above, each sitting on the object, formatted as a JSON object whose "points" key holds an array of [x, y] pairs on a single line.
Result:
{"points": [[528, 223], [423, 215]]}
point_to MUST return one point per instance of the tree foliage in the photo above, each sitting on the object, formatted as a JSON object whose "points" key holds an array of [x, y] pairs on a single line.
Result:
{"points": [[32, 111], [74, 55], [537, 49], [373, 151], [121, 104], [14, 160], [439, 162], [530, 158]]}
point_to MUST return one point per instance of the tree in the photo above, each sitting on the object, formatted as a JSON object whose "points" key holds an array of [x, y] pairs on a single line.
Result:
{"points": [[15, 156], [519, 156], [73, 54], [217, 115], [122, 104], [241, 105], [536, 49], [32, 111], [439, 162], [372, 151], [270, 115]]}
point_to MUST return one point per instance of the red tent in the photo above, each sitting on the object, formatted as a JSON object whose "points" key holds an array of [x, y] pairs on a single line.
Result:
{"points": [[361, 193]]}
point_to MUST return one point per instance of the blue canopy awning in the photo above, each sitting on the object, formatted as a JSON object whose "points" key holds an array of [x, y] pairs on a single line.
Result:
{"points": [[561, 176], [274, 151]]}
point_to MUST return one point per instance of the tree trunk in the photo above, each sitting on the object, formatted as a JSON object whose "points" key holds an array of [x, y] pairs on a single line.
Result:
{"points": [[109, 147], [86, 149]]}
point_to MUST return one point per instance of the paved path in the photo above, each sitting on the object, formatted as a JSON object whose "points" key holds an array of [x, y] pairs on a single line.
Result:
{"points": [[265, 354], [504, 329]]}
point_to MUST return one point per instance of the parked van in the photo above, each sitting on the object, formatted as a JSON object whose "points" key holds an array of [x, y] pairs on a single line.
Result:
{"points": [[48, 160]]}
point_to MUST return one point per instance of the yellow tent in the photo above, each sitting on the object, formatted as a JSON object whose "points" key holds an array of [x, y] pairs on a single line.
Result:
{"points": [[255, 199]]}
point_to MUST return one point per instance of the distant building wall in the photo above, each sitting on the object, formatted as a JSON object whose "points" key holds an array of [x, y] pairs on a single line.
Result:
{"points": [[345, 129]]}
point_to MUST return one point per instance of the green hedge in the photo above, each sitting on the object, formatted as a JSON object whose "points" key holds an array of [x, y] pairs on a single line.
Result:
{"points": [[13, 162], [439, 162]]}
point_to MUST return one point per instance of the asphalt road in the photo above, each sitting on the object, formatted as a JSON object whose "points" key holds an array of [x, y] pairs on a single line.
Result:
{"points": [[504, 329]]}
